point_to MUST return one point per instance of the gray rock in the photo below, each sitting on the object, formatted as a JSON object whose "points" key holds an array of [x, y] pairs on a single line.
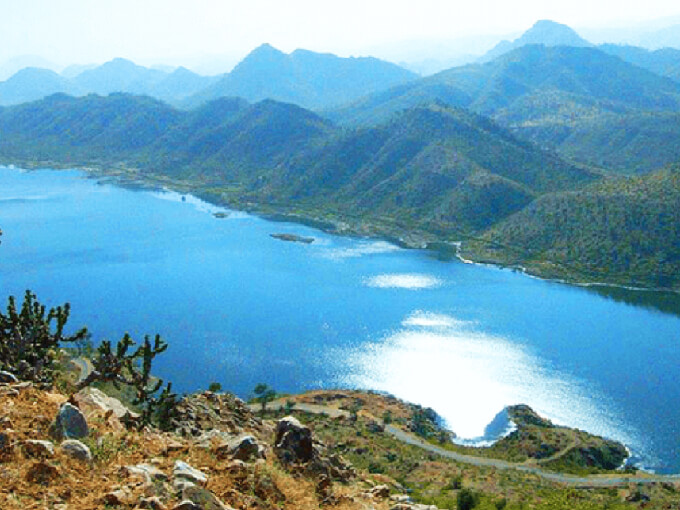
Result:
{"points": [[244, 448], [38, 448], [77, 450], [203, 498], [94, 399], [70, 423], [7, 377], [147, 472], [179, 484], [185, 471], [293, 441]]}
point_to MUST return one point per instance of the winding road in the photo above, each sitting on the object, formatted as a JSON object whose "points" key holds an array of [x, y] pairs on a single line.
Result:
{"points": [[590, 481]]}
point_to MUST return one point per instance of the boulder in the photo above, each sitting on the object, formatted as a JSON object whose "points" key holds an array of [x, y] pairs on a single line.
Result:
{"points": [[182, 470], [379, 491], [203, 498], [38, 448], [293, 442], [91, 400], [244, 448], [8, 377], [146, 472], [70, 423], [77, 450]]}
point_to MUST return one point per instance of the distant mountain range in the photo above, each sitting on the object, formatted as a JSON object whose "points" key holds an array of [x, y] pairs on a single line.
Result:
{"points": [[553, 96], [309, 79]]}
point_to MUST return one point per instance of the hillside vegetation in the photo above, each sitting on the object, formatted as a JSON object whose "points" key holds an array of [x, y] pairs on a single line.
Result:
{"points": [[623, 230], [566, 98], [431, 167], [429, 174]]}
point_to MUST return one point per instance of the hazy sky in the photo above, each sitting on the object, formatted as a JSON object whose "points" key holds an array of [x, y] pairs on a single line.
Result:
{"points": [[83, 31]]}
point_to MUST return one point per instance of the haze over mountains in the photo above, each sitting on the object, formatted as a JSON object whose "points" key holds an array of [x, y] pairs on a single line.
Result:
{"points": [[493, 151], [313, 80]]}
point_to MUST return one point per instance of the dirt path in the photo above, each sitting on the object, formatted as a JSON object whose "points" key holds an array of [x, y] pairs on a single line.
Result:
{"points": [[590, 481]]}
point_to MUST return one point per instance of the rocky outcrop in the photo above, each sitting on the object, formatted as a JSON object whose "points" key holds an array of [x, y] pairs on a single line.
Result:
{"points": [[194, 415], [294, 446], [293, 442]]}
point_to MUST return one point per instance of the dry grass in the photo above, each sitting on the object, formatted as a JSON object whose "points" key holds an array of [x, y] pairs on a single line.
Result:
{"points": [[263, 484]]}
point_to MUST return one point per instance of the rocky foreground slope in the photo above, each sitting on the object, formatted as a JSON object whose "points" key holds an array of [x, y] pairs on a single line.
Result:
{"points": [[67, 453]]}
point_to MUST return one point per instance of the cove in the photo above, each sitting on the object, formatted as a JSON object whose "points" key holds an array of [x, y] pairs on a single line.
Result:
{"points": [[240, 307]]}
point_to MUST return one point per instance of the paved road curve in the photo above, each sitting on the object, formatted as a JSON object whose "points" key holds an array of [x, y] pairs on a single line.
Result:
{"points": [[591, 481]]}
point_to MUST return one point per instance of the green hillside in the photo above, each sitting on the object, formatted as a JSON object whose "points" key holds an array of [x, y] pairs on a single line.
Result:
{"points": [[567, 99], [631, 143], [625, 230], [428, 174]]}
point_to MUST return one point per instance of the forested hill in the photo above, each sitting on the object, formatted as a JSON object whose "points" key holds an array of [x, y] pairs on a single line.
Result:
{"points": [[625, 230], [527, 84], [429, 173], [561, 97], [428, 167]]}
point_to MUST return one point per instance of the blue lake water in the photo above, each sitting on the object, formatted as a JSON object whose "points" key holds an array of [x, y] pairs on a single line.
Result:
{"points": [[239, 307]]}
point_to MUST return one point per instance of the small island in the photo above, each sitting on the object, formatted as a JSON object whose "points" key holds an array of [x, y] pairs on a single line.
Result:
{"points": [[293, 238]]}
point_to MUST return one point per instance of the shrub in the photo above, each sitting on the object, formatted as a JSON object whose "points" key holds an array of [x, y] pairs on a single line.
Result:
{"points": [[467, 499], [30, 337]]}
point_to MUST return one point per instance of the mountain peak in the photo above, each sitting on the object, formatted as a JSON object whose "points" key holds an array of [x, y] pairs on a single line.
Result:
{"points": [[545, 32], [551, 33], [265, 49]]}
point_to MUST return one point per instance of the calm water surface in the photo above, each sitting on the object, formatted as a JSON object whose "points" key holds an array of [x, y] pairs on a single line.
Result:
{"points": [[239, 307]]}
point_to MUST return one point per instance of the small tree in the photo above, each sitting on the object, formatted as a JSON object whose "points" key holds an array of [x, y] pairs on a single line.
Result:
{"points": [[265, 394], [290, 405]]}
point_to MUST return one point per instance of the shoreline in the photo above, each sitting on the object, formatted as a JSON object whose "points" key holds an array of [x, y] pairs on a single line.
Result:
{"points": [[419, 240]]}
